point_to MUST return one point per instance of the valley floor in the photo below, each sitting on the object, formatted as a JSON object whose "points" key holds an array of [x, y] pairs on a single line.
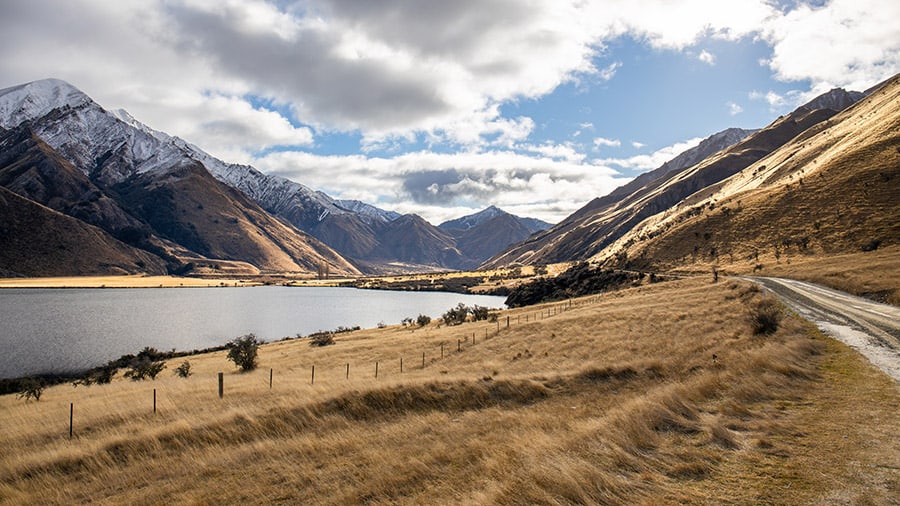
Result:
{"points": [[660, 394]]}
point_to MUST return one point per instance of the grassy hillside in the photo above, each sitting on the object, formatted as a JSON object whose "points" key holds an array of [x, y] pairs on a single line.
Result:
{"points": [[827, 197], [651, 395]]}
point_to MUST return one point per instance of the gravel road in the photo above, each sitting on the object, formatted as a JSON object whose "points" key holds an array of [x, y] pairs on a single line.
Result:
{"points": [[869, 327]]}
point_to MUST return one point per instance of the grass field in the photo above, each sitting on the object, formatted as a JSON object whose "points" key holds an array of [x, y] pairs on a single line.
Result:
{"points": [[654, 395]]}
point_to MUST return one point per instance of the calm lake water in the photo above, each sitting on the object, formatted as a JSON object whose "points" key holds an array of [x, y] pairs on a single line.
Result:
{"points": [[60, 330]]}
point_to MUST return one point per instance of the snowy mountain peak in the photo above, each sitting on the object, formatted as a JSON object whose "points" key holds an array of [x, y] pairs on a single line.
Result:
{"points": [[473, 220], [35, 99]]}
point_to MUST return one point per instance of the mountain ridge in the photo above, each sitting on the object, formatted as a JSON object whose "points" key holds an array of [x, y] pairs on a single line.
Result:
{"points": [[595, 227]]}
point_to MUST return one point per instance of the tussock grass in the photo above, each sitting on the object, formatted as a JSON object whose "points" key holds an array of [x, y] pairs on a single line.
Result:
{"points": [[655, 394]]}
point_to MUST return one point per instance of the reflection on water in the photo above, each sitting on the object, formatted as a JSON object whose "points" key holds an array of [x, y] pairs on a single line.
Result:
{"points": [[57, 330]]}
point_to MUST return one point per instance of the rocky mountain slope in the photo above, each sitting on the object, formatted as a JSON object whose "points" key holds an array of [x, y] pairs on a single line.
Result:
{"points": [[63, 150], [833, 189], [593, 230], [375, 240], [481, 235]]}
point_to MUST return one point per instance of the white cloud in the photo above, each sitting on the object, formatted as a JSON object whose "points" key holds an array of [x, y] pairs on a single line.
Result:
{"points": [[601, 141], [637, 145], [437, 186], [655, 159], [398, 72], [847, 43], [734, 109], [707, 57]]}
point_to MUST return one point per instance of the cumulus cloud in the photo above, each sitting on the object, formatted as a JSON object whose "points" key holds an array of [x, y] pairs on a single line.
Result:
{"points": [[602, 141], [397, 73], [707, 57], [734, 109], [655, 159], [438, 185], [846, 43]]}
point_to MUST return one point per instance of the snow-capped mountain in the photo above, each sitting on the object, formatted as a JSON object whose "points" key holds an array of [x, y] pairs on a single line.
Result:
{"points": [[149, 175], [368, 211], [177, 210]]}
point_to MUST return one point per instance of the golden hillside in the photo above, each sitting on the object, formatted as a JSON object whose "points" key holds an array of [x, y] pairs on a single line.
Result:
{"points": [[589, 402], [832, 191]]}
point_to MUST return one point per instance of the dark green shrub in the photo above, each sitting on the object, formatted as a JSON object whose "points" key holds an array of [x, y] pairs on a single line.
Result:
{"points": [[31, 388], [456, 315], [98, 376], [765, 316], [423, 320], [144, 368], [183, 370], [321, 339], [242, 351], [480, 313]]}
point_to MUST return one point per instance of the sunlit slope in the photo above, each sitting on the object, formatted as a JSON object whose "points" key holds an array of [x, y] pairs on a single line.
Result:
{"points": [[589, 402], [832, 190]]}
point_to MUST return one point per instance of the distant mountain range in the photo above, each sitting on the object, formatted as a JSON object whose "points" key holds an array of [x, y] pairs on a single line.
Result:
{"points": [[822, 178], [162, 204]]}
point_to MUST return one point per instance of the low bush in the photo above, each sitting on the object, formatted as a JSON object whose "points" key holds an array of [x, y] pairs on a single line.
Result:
{"points": [[456, 315], [765, 316], [31, 388], [321, 339], [242, 351], [423, 320], [183, 370]]}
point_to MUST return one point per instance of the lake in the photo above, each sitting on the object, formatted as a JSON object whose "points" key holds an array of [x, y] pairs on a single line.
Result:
{"points": [[65, 330]]}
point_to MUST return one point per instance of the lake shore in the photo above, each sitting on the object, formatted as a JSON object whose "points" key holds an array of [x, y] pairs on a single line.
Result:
{"points": [[134, 281]]}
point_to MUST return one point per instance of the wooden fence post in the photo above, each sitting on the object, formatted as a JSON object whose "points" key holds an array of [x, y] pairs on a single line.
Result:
{"points": [[270, 378], [401, 365], [348, 371], [442, 350], [221, 384], [458, 345], [423, 360], [154, 401], [312, 379], [376, 370], [71, 414]]}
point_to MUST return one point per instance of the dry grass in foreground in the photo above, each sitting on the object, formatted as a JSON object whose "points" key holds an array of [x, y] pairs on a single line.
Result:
{"points": [[654, 395]]}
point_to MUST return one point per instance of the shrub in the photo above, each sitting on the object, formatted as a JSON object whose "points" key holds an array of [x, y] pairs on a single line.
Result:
{"points": [[423, 320], [242, 351], [143, 368], [765, 316], [98, 376], [31, 388], [183, 370], [456, 315], [480, 313], [147, 364], [321, 339]]}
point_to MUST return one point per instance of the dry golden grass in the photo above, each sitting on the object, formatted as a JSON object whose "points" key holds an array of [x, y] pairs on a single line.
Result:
{"points": [[657, 394]]}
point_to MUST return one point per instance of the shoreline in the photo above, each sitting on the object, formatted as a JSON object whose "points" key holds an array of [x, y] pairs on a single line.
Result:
{"points": [[129, 281]]}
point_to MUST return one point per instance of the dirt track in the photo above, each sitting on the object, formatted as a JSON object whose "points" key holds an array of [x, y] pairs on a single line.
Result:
{"points": [[869, 327]]}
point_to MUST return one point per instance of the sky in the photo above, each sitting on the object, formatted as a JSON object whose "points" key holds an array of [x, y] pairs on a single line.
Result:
{"points": [[442, 108]]}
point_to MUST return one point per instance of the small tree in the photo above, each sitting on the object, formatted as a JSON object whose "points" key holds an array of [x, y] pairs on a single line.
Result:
{"points": [[31, 388], [423, 320], [456, 315], [242, 351], [147, 364], [321, 339], [144, 368], [480, 313], [183, 370], [98, 376]]}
